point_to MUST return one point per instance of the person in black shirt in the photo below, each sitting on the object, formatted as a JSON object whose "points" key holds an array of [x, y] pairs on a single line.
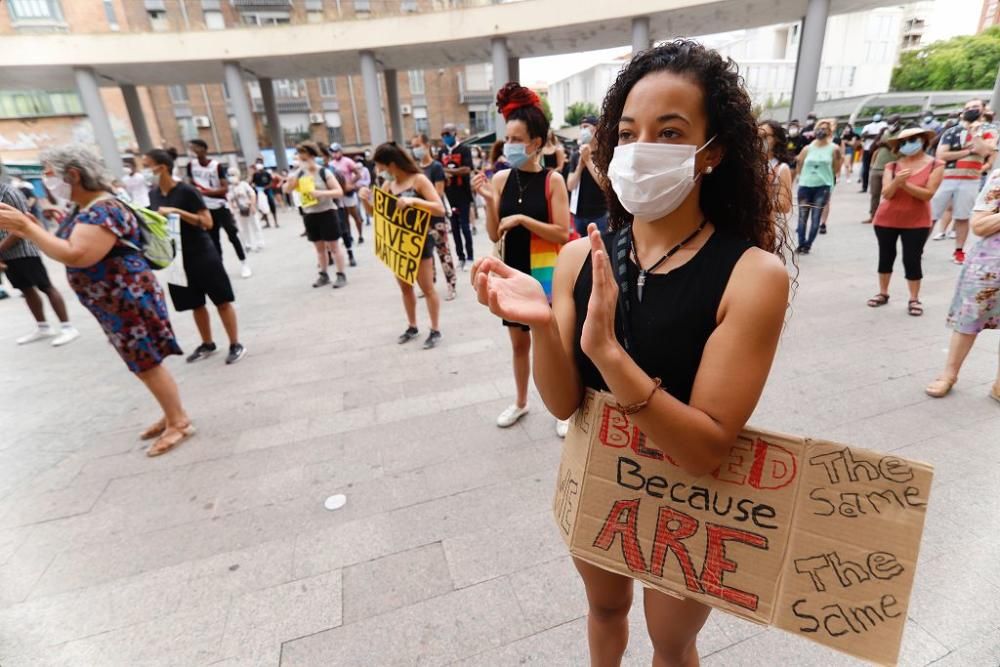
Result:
{"points": [[263, 183], [420, 147], [796, 142], [206, 276], [586, 203], [457, 161]]}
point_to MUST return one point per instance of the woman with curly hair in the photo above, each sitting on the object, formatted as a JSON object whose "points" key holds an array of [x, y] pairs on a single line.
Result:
{"points": [[99, 243], [527, 210], [681, 321], [774, 143]]}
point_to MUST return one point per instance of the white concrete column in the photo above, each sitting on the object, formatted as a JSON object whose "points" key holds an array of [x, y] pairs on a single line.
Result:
{"points": [[240, 101], [498, 47], [810, 50], [392, 104], [138, 119], [90, 96], [640, 34], [273, 122], [995, 98], [514, 68], [373, 103]]}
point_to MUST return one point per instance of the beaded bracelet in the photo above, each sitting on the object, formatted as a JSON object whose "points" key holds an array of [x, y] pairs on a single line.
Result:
{"points": [[636, 407]]}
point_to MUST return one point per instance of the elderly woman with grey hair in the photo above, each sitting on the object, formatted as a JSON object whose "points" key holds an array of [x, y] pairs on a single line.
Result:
{"points": [[96, 241]]}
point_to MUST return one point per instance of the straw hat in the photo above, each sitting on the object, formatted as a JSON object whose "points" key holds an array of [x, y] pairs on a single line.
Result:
{"points": [[910, 133]]}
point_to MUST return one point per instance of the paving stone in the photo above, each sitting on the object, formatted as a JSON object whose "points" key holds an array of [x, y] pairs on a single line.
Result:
{"points": [[399, 580]]}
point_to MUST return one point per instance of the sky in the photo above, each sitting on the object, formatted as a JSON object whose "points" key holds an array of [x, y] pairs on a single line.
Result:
{"points": [[945, 19]]}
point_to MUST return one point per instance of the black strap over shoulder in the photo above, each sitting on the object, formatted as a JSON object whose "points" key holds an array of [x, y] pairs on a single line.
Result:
{"points": [[621, 246]]}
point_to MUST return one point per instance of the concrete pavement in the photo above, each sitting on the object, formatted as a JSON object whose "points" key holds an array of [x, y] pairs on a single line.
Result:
{"points": [[221, 552]]}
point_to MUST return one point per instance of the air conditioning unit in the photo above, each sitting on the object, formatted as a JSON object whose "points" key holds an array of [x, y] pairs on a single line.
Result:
{"points": [[202, 121], [316, 119], [406, 109]]}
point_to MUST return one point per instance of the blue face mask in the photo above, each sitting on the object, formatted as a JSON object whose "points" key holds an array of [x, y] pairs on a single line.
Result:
{"points": [[911, 147], [877, 117], [516, 154], [449, 140]]}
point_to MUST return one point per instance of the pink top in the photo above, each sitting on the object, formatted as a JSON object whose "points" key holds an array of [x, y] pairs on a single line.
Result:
{"points": [[345, 166], [905, 211]]}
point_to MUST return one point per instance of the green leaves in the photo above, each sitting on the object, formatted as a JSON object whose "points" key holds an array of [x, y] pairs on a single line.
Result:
{"points": [[961, 63]]}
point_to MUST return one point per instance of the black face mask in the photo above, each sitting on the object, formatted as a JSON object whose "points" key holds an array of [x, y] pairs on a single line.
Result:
{"points": [[822, 134], [971, 115]]}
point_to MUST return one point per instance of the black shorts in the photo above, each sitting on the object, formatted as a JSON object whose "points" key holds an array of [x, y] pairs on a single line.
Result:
{"points": [[322, 226], [206, 277], [429, 244], [28, 272]]}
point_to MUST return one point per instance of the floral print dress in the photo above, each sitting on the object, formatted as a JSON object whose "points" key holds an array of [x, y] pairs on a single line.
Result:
{"points": [[121, 291], [976, 305]]}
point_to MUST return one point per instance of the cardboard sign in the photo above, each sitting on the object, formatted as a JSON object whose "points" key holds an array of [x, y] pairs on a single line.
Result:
{"points": [[813, 537], [306, 186], [399, 235]]}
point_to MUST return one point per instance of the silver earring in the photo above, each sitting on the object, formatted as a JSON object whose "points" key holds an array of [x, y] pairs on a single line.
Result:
{"points": [[708, 169]]}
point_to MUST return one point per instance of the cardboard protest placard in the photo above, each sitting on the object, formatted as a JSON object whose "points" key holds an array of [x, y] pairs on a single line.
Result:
{"points": [[815, 538], [400, 234]]}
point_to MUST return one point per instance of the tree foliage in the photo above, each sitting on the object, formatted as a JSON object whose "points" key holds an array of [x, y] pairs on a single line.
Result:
{"points": [[967, 62], [576, 111], [546, 109]]}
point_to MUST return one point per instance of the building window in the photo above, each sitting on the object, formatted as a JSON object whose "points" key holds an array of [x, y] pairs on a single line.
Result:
{"points": [[362, 6], [265, 18], [187, 129], [34, 10], [179, 94], [38, 103], [479, 121], [290, 88], [214, 20], [328, 86], [416, 81], [420, 123], [109, 12], [408, 5], [315, 17], [158, 20]]}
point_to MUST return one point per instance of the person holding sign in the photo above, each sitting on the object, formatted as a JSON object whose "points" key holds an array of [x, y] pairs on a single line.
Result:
{"points": [[527, 211], [677, 310], [317, 188], [406, 181]]}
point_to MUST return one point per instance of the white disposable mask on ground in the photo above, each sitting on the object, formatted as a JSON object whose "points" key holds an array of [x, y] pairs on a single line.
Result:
{"points": [[651, 180]]}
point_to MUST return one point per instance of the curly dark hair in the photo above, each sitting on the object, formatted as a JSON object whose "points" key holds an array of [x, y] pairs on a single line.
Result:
{"points": [[515, 102], [780, 150], [735, 197]]}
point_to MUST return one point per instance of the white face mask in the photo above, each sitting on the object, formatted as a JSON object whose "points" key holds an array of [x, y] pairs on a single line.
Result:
{"points": [[651, 180], [58, 187]]}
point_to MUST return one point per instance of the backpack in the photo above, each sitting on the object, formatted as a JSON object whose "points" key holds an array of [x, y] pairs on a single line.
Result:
{"points": [[157, 246]]}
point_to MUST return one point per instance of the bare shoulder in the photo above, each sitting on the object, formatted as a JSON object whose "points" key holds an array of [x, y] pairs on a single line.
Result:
{"points": [[759, 277], [500, 177], [572, 256], [558, 178]]}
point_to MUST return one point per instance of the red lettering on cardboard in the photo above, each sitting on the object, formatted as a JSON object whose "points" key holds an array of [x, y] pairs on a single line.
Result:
{"points": [[716, 563]]}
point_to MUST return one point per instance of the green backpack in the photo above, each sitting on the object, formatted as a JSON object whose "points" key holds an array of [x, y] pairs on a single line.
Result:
{"points": [[158, 247]]}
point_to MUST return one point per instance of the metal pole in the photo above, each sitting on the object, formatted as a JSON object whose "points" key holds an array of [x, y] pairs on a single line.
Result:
{"points": [[90, 96], [995, 98], [373, 105], [514, 68], [138, 119], [498, 46], [810, 54], [273, 122], [240, 101]]}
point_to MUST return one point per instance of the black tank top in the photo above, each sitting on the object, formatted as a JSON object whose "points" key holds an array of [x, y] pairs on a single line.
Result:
{"points": [[550, 161], [517, 242], [677, 314]]}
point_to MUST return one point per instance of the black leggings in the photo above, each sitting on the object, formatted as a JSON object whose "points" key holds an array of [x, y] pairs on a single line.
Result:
{"points": [[913, 249]]}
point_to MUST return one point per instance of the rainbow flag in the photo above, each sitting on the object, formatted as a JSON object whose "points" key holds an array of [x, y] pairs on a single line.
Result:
{"points": [[543, 262]]}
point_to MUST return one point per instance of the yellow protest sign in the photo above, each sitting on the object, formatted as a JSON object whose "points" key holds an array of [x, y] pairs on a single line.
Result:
{"points": [[306, 187], [816, 538], [400, 235]]}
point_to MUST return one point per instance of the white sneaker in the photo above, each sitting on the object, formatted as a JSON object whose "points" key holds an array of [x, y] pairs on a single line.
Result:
{"points": [[562, 427], [245, 271], [952, 234], [940, 236], [37, 334], [511, 415], [67, 335]]}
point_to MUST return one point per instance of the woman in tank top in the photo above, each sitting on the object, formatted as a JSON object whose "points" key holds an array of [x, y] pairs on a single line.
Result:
{"points": [[405, 180], [774, 143], [527, 211], [553, 153], [818, 165], [706, 301]]}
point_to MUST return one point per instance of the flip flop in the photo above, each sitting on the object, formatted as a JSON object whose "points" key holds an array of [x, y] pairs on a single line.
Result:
{"points": [[154, 430], [170, 439]]}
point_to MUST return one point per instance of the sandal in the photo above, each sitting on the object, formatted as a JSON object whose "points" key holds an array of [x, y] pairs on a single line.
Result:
{"points": [[915, 308], [170, 439], [940, 387], [154, 430], [995, 392], [878, 300]]}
